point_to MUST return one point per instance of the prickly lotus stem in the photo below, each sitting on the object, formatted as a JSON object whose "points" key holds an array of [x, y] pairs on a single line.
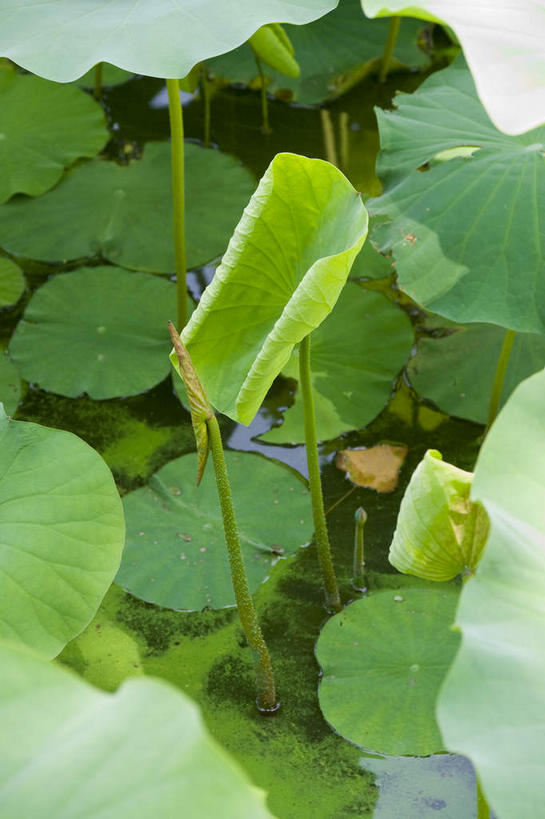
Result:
{"points": [[358, 581], [199, 405]]}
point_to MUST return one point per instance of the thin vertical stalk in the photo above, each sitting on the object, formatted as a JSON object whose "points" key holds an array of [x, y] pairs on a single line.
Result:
{"points": [[178, 195], [499, 378], [264, 101], [266, 692], [344, 120], [391, 37], [97, 92], [483, 810], [332, 597], [329, 137], [205, 89]]}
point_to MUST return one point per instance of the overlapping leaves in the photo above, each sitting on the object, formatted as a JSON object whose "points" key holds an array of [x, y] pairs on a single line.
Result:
{"points": [[467, 234]]}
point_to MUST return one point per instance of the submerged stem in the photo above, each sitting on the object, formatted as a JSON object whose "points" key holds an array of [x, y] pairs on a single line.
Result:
{"points": [[266, 692], [178, 195], [333, 600], [97, 92], [264, 101], [205, 88], [483, 810], [329, 137], [391, 37], [499, 377]]}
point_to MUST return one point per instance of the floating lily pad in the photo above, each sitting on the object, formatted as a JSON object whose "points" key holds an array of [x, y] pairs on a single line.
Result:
{"points": [[70, 750], [466, 235], [355, 356], [492, 706], [45, 128], [99, 330], [383, 660], [375, 468], [176, 554], [12, 282], [124, 212], [329, 51], [457, 371], [506, 60], [61, 40], [61, 534]]}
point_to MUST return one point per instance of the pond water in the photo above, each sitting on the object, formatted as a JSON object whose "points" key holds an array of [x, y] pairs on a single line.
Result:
{"points": [[307, 770]]}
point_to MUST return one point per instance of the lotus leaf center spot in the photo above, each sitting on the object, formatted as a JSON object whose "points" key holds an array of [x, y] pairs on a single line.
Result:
{"points": [[3, 136], [414, 668], [101, 330]]}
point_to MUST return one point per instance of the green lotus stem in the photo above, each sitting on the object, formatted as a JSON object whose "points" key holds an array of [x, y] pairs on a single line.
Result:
{"points": [[178, 195], [344, 119], [332, 597], [264, 101], [358, 580], [266, 691], [98, 80], [483, 810], [393, 31], [205, 89], [499, 377], [329, 137]]}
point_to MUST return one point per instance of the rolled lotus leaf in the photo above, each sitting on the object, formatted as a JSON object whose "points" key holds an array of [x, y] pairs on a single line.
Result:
{"points": [[281, 275], [440, 532], [273, 46]]}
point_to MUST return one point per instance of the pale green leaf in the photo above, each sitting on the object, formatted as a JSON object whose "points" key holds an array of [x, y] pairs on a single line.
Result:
{"points": [[272, 45], [492, 707], [383, 660], [99, 330], [62, 39], [502, 42], [69, 750], [124, 212], [355, 356], [440, 532], [176, 554], [466, 235], [61, 534], [45, 127], [280, 277]]}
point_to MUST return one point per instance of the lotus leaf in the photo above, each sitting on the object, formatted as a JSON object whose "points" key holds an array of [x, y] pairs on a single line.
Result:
{"points": [[124, 212], [60, 40], [10, 384], [45, 128], [330, 51], [502, 44], [176, 554], [352, 374], [61, 534], [492, 706], [466, 234], [69, 749], [383, 659], [281, 275], [273, 46], [456, 371], [440, 532], [99, 330], [12, 282]]}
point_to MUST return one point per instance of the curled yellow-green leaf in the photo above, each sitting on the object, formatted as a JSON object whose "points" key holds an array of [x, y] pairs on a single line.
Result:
{"points": [[440, 532], [273, 46]]}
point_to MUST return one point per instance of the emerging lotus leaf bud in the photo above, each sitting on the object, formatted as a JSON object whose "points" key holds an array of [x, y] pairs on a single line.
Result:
{"points": [[199, 405], [273, 46], [440, 532]]}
